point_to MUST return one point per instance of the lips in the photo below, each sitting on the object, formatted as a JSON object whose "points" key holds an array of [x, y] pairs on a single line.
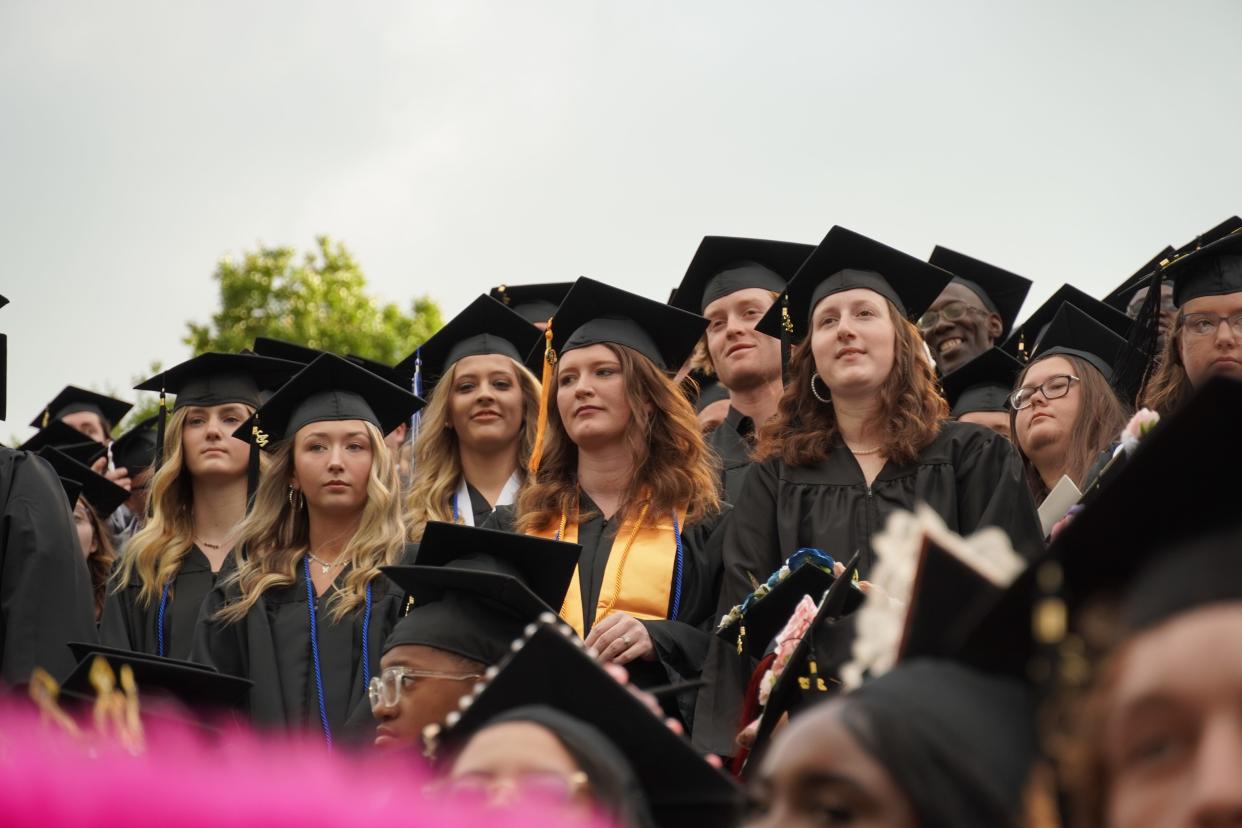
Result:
{"points": [[586, 409], [485, 415], [739, 347], [214, 451], [336, 484], [384, 737], [844, 352]]}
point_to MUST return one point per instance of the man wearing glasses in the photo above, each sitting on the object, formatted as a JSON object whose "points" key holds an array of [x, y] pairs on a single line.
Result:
{"points": [[973, 312]]}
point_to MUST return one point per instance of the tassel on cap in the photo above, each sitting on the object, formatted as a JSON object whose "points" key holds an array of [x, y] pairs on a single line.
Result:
{"points": [[549, 368], [786, 334]]}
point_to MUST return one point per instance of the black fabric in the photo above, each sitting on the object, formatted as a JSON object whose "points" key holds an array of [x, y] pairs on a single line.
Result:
{"points": [[983, 384], [218, 379], [485, 327], [1212, 270], [191, 684], [726, 264], [103, 495], [135, 449], [271, 647], [1000, 291], [129, 625], [458, 623], [45, 590], [1186, 576], [1025, 336], [1072, 332], [305, 355], [534, 303], [1120, 297], [970, 476], [733, 441], [72, 400], [69, 440]]}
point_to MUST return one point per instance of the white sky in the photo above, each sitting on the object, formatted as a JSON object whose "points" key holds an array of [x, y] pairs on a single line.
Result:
{"points": [[454, 145]]}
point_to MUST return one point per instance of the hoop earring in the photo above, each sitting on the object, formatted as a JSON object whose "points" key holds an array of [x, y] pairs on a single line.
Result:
{"points": [[301, 499], [815, 391]]}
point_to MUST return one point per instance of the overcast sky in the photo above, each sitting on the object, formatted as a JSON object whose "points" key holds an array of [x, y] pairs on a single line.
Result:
{"points": [[454, 145]]}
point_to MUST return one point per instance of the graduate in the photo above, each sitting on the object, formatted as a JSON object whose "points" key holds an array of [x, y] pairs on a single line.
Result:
{"points": [[476, 434], [1206, 336], [98, 497], [198, 497], [45, 589], [624, 472], [534, 303], [979, 391], [134, 451], [975, 310], [89, 412], [471, 594], [306, 611], [733, 282], [1064, 413], [861, 432]]}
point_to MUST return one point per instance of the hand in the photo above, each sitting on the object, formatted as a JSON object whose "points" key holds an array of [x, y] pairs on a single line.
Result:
{"points": [[838, 569], [118, 476], [713, 415], [620, 638]]}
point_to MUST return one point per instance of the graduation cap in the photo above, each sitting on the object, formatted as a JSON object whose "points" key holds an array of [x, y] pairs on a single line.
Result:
{"points": [[1121, 296], [1211, 268], [1024, 338], [104, 496], [1075, 333], [727, 264], [305, 355], [1001, 292], [72, 400], [330, 388], [73, 490], [194, 685], [135, 449], [983, 384], [485, 327], [534, 303], [69, 440], [845, 260], [753, 624], [4, 369], [217, 379], [552, 668], [1178, 485]]}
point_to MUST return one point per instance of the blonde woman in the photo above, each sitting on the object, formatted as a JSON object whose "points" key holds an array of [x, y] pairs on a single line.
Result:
{"points": [[198, 496], [305, 613], [476, 434], [624, 472]]}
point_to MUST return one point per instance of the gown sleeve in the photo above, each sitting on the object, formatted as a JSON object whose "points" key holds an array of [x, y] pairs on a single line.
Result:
{"points": [[217, 644], [992, 491], [117, 621], [46, 599]]}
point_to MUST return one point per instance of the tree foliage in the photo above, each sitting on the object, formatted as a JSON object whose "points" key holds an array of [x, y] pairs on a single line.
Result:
{"points": [[318, 298]]}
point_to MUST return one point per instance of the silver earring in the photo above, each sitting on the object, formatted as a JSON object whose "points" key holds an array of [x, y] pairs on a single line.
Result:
{"points": [[815, 391]]}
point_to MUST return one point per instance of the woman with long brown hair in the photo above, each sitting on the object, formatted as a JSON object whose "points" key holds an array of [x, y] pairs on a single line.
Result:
{"points": [[198, 495], [475, 435], [861, 432], [623, 470], [305, 612]]}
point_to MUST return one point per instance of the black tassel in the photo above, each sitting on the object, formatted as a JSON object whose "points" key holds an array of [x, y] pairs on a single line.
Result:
{"points": [[161, 426], [1137, 357]]}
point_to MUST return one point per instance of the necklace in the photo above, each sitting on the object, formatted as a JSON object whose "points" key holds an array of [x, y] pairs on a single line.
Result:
{"points": [[858, 452], [326, 566], [208, 545]]}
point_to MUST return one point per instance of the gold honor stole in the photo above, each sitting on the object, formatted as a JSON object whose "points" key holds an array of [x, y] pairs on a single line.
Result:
{"points": [[638, 580]]}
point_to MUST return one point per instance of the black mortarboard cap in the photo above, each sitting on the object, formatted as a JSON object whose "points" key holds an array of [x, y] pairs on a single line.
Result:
{"points": [[305, 355], [73, 490], [330, 388], [595, 313], [534, 303], [218, 379], [1212, 268], [1000, 291], [72, 399], [552, 668], [766, 617], [1179, 484], [1075, 333], [726, 264], [845, 260], [983, 384], [484, 327], [1121, 295], [69, 440], [193, 685], [1026, 335], [103, 495], [135, 449]]}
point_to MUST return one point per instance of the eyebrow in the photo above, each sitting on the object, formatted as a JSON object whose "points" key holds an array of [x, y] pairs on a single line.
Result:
{"points": [[323, 435]]}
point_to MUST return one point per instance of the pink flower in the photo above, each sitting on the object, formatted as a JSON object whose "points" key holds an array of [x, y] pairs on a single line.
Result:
{"points": [[1140, 425]]}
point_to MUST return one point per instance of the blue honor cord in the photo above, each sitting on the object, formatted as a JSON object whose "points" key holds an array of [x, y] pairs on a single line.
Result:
{"points": [[314, 638]]}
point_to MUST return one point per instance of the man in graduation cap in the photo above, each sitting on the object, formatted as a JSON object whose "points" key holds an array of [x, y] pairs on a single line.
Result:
{"points": [[91, 413], [45, 592], [471, 592], [973, 312], [733, 282]]}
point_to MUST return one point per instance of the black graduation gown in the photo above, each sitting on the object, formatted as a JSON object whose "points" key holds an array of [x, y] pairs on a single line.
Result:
{"points": [[271, 647], [46, 598], [681, 643], [970, 476], [128, 624], [731, 440]]}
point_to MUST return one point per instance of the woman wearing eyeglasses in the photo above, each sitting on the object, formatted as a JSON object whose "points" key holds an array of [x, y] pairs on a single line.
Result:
{"points": [[1063, 411], [1206, 339]]}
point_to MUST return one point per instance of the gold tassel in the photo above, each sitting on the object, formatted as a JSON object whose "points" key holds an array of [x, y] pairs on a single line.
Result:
{"points": [[549, 369]]}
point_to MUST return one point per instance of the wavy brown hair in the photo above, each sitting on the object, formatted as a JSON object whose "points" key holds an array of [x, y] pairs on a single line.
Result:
{"points": [[1169, 386], [99, 563], [673, 467], [911, 406], [1101, 417]]}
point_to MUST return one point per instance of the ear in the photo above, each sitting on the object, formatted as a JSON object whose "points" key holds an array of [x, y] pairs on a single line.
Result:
{"points": [[995, 326]]}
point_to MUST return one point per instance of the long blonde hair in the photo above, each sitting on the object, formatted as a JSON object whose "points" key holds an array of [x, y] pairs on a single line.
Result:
{"points": [[437, 461], [156, 551], [276, 534]]}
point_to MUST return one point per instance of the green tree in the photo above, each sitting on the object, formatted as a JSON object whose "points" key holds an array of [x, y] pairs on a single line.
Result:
{"points": [[318, 298]]}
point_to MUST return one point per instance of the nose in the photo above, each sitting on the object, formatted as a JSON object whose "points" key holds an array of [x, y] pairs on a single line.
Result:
{"points": [[1218, 768], [214, 430], [1225, 335], [336, 459]]}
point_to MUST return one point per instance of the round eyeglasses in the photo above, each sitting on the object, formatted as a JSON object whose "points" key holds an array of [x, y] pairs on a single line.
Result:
{"points": [[950, 312], [1056, 386], [385, 689]]}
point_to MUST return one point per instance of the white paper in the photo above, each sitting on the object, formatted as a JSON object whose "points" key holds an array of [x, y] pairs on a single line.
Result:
{"points": [[1063, 495]]}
